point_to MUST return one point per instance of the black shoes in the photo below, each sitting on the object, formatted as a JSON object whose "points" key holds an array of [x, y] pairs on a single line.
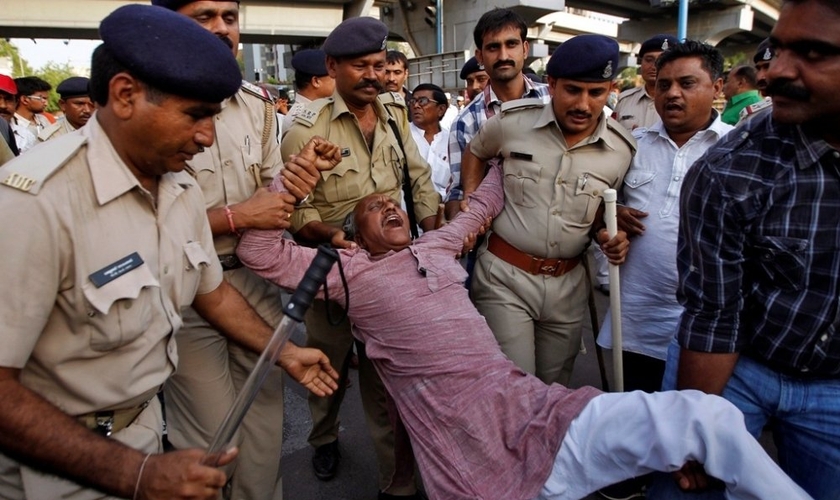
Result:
{"points": [[325, 461]]}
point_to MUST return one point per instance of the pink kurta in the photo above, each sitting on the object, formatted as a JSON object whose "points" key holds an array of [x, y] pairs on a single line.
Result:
{"points": [[480, 427]]}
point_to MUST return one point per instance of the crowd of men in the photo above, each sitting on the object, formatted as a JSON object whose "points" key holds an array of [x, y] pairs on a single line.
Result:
{"points": [[146, 242]]}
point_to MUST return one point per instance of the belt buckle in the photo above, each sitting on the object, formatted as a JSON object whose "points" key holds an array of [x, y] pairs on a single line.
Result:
{"points": [[229, 261], [104, 423], [550, 270]]}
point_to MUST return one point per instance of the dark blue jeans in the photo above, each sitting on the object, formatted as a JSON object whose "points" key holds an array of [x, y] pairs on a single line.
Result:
{"points": [[804, 416]]}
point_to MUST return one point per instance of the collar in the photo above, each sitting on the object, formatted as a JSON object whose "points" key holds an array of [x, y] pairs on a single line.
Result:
{"points": [[810, 150], [750, 94], [717, 127], [340, 107], [547, 118], [490, 97]]}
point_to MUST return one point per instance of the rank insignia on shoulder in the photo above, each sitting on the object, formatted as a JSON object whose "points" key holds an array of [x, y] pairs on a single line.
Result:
{"points": [[256, 90]]}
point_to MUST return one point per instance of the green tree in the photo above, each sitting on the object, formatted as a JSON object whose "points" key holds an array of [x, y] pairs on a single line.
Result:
{"points": [[54, 74], [20, 67]]}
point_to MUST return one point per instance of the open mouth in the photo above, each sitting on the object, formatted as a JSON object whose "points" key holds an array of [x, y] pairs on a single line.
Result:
{"points": [[673, 106], [393, 220]]}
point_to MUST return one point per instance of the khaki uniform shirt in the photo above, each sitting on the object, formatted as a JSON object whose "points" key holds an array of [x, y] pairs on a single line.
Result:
{"points": [[551, 191], [239, 161], [6, 154], [361, 171], [635, 109], [57, 129], [94, 274]]}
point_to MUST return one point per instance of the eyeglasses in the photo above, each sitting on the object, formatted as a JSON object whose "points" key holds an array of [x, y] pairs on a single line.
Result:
{"points": [[38, 98], [422, 102]]}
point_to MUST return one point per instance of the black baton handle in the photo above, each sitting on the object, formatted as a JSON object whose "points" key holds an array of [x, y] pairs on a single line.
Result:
{"points": [[315, 276]]}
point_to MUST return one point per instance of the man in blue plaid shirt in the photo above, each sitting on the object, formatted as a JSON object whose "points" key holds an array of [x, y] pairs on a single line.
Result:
{"points": [[499, 36], [759, 257]]}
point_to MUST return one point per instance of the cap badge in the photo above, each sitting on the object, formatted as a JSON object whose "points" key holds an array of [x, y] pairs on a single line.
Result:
{"points": [[608, 70], [767, 55], [383, 43], [665, 45]]}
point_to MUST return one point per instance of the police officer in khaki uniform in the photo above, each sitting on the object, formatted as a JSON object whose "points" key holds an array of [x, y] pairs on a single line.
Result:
{"points": [[244, 157], [312, 81], [105, 240], [558, 160], [356, 118], [74, 101], [635, 106]]}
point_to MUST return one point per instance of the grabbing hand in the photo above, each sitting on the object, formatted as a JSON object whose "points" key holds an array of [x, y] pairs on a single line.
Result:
{"points": [[301, 172], [311, 368], [265, 210], [628, 220], [614, 248], [181, 475], [338, 240], [692, 477]]}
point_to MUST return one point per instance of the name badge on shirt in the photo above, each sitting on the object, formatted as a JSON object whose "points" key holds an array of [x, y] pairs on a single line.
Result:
{"points": [[345, 152], [113, 271], [521, 156]]}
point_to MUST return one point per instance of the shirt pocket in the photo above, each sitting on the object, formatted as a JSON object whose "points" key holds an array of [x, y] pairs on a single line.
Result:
{"points": [[781, 261], [638, 188], [584, 195], [522, 178], [195, 259], [342, 183], [121, 310]]}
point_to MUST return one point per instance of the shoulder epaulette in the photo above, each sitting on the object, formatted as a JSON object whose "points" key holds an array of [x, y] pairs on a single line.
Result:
{"points": [[309, 114], [45, 134], [255, 90], [622, 132], [519, 104], [29, 172], [755, 108], [395, 98]]}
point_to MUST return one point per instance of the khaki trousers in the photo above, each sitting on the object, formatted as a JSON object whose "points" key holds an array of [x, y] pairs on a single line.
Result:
{"points": [[537, 320], [18, 482], [210, 373], [337, 343]]}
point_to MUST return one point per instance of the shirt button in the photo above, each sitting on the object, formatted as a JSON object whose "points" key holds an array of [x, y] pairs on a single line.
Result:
{"points": [[227, 163], [676, 177], [824, 337], [553, 244], [555, 212], [165, 269]]}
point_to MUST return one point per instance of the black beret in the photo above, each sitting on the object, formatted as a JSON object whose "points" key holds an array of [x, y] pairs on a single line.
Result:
{"points": [[587, 58], [174, 4], [355, 37], [764, 52], [470, 67], [310, 61], [171, 52], [75, 86], [658, 43]]}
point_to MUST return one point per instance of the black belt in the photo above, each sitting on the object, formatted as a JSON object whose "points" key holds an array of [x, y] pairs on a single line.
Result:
{"points": [[230, 262]]}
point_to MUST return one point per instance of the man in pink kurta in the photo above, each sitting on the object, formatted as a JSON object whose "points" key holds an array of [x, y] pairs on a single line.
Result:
{"points": [[481, 428]]}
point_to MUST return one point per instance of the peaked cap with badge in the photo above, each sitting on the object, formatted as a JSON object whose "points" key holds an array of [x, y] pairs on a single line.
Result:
{"points": [[356, 36], [658, 43], [586, 58], [765, 52], [171, 52]]}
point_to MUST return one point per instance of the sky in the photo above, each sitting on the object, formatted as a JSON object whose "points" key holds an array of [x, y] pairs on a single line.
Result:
{"points": [[38, 53]]}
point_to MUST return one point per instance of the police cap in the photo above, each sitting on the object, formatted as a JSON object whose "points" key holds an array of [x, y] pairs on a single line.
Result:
{"points": [[310, 61], [175, 4], [470, 67], [171, 52], [7, 85], [586, 58], [355, 37], [764, 52], [75, 86], [658, 43]]}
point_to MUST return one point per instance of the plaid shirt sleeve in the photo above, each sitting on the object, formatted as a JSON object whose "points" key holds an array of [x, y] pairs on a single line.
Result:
{"points": [[463, 130]]}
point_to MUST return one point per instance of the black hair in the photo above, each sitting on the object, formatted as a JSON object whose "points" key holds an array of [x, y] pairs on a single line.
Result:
{"points": [[747, 73], [28, 85], [496, 20], [302, 80], [712, 59], [438, 95], [395, 56]]}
